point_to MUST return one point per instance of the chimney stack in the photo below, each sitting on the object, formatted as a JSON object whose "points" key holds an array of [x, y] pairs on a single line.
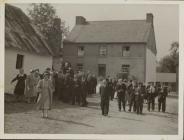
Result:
{"points": [[149, 17], [80, 20]]}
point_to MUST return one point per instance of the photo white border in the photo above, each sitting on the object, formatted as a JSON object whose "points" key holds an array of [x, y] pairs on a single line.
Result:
{"points": [[181, 68], [94, 136], [2, 69]]}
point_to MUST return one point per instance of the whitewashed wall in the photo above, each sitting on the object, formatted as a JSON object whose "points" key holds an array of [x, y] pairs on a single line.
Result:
{"points": [[31, 61], [150, 66]]}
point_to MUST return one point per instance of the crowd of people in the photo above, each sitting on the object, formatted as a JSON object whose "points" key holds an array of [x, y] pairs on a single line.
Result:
{"points": [[131, 93], [74, 87], [65, 85]]}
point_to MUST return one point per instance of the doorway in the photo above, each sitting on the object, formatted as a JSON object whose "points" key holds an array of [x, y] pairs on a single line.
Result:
{"points": [[102, 70]]}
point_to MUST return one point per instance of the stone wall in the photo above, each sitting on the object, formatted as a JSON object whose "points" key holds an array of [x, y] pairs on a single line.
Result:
{"points": [[113, 60]]}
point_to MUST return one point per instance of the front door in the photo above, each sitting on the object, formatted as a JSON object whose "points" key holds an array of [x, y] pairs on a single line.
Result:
{"points": [[102, 70]]}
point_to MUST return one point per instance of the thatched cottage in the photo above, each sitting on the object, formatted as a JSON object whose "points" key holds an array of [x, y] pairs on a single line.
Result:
{"points": [[25, 47]]}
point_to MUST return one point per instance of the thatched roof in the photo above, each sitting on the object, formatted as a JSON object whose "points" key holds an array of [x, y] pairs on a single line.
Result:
{"points": [[21, 34]]}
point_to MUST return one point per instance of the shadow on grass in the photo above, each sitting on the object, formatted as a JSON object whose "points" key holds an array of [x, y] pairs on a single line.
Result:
{"points": [[20, 107]]}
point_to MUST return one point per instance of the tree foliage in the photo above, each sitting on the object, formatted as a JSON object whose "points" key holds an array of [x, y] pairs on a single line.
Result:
{"points": [[169, 63], [43, 15]]}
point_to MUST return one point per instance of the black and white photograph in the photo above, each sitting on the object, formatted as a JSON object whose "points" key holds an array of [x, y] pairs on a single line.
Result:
{"points": [[108, 69]]}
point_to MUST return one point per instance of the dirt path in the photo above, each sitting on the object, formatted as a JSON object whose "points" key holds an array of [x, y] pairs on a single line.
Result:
{"points": [[67, 119]]}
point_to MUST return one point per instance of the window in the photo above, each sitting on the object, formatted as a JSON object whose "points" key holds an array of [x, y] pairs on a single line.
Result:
{"points": [[19, 62], [80, 51], [79, 67], [125, 68], [125, 51], [103, 51]]}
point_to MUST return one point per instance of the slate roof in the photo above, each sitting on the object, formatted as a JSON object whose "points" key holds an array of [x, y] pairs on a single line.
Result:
{"points": [[120, 31], [21, 34]]}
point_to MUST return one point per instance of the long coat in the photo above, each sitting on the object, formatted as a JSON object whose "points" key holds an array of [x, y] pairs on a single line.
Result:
{"points": [[20, 86], [45, 89]]}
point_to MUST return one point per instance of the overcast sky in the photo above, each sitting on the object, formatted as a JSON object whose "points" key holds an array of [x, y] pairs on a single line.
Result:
{"points": [[166, 18]]}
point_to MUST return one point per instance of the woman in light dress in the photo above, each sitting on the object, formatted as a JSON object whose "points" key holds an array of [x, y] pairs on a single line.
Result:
{"points": [[45, 89]]}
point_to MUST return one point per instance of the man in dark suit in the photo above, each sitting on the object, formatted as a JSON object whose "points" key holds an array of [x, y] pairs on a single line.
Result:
{"points": [[121, 89], [151, 97], [76, 93], [162, 94], [104, 93]]}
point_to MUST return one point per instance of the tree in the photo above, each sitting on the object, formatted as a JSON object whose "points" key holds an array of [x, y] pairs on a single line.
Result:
{"points": [[175, 52], [43, 15], [169, 63]]}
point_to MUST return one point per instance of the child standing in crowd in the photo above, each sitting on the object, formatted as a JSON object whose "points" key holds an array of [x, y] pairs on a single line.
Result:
{"points": [[20, 86], [45, 88]]}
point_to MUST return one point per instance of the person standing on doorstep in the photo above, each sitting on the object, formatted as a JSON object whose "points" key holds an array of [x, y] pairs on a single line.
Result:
{"points": [[45, 89], [151, 97], [30, 91], [20, 85], [104, 98]]}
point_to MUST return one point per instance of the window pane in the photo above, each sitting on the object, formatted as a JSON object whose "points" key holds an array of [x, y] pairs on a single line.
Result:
{"points": [[125, 51], [81, 51], [103, 51], [79, 67], [125, 68], [19, 62]]}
